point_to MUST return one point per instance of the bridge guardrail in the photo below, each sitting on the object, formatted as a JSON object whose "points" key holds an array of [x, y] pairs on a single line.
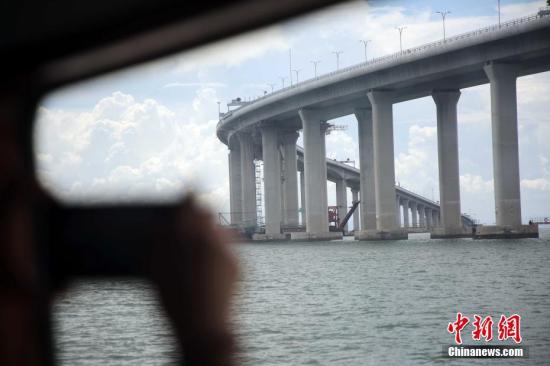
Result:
{"points": [[543, 12]]}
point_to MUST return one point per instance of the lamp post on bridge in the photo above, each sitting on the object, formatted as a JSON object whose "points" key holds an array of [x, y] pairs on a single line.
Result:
{"points": [[365, 43], [290, 65], [272, 86], [401, 29], [297, 71], [337, 53], [282, 81], [498, 5], [443, 16], [315, 62]]}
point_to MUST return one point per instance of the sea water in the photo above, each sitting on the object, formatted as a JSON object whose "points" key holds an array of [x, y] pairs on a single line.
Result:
{"points": [[331, 303]]}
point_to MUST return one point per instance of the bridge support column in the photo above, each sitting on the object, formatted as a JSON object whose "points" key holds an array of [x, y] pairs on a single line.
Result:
{"points": [[414, 214], [504, 121], [504, 124], [405, 213], [421, 216], [435, 218], [324, 197], [342, 200], [366, 167], [235, 189], [272, 182], [398, 211], [248, 183], [384, 173], [355, 198], [429, 223], [303, 197], [290, 178], [315, 179], [447, 144]]}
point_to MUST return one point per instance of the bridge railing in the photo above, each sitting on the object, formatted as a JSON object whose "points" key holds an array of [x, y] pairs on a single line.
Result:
{"points": [[543, 12]]}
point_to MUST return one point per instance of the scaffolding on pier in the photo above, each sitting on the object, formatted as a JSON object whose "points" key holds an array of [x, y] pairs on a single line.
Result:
{"points": [[259, 167]]}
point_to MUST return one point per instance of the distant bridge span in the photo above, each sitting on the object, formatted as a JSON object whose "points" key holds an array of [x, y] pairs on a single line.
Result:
{"points": [[418, 211]]}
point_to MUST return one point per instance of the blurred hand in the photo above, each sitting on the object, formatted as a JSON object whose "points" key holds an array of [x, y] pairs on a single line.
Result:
{"points": [[195, 272]]}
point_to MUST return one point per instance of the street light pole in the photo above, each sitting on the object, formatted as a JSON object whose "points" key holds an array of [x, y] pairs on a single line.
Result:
{"points": [[297, 71], [272, 86], [315, 62], [365, 43], [498, 4], [337, 53], [282, 81], [443, 16], [401, 29], [290, 65]]}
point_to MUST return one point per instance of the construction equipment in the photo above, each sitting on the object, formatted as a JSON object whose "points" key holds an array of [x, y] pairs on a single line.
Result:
{"points": [[334, 217], [348, 215], [331, 127]]}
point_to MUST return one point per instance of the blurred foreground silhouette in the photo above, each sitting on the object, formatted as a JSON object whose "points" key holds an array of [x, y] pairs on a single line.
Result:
{"points": [[43, 245]]}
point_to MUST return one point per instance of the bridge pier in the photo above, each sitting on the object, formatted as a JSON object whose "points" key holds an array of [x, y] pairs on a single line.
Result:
{"points": [[235, 188], [355, 198], [272, 184], [384, 170], [290, 178], [421, 216], [405, 213], [447, 149], [366, 167], [414, 213], [342, 200], [248, 184], [313, 127], [505, 143], [303, 197], [428, 213], [398, 211], [504, 123]]}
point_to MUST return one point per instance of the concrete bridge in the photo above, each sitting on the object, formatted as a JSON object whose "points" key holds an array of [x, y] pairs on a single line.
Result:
{"points": [[267, 129]]}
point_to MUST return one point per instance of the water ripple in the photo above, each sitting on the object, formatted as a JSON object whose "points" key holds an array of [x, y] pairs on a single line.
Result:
{"points": [[339, 303]]}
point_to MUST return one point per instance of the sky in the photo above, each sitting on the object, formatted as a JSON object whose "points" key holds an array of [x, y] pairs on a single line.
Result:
{"points": [[148, 133]]}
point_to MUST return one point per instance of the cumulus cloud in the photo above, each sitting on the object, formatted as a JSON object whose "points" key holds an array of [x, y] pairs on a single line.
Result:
{"points": [[416, 169], [533, 89], [233, 51], [471, 183], [123, 149], [341, 146], [211, 84], [539, 184], [511, 11]]}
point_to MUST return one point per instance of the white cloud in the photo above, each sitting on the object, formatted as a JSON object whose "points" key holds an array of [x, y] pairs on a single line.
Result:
{"points": [[533, 88], [420, 135], [211, 84], [539, 184], [124, 150], [231, 52], [472, 183], [511, 11], [416, 169], [341, 146]]}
